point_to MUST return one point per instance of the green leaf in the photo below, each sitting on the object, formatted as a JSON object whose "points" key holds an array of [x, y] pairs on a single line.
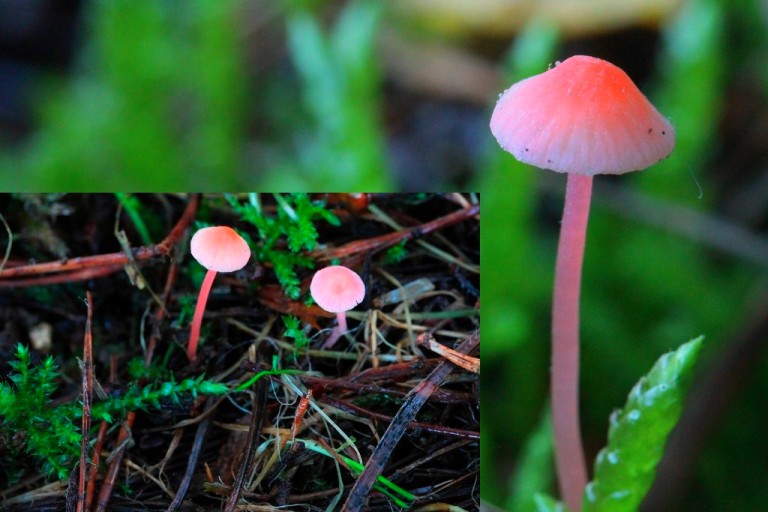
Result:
{"points": [[545, 503], [624, 470]]}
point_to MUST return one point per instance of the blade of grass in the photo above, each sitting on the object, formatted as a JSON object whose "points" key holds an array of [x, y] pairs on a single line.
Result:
{"points": [[402, 497]]}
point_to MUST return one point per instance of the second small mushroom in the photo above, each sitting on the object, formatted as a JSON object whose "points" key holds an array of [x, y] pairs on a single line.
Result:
{"points": [[337, 289]]}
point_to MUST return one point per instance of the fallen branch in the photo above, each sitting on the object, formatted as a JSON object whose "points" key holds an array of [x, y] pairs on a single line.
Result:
{"points": [[116, 259], [379, 243]]}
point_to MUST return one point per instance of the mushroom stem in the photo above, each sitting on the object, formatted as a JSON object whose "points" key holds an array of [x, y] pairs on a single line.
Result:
{"points": [[340, 329], [341, 318], [569, 453], [197, 319]]}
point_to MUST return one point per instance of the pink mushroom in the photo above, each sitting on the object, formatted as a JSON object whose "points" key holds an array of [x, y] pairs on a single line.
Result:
{"points": [[337, 289], [219, 249], [583, 117]]}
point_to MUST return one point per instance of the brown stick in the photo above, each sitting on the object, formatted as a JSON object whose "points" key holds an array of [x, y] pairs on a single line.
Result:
{"points": [[100, 438], [197, 447], [73, 276], [112, 259], [257, 420], [70, 264], [382, 242], [428, 427], [91, 490], [87, 399], [469, 363], [109, 479]]}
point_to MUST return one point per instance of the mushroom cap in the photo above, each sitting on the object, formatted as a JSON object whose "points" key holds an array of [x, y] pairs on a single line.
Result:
{"points": [[337, 289], [220, 248], [584, 116]]}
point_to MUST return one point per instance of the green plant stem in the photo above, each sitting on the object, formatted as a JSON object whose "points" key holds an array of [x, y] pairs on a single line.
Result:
{"points": [[245, 385], [569, 453], [382, 484]]}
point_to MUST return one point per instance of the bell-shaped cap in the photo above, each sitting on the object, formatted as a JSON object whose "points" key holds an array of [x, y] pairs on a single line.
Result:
{"points": [[584, 116], [337, 289], [220, 248]]}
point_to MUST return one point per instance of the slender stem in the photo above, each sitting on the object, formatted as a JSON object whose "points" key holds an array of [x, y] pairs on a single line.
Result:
{"points": [[569, 453], [341, 328], [341, 319], [197, 319]]}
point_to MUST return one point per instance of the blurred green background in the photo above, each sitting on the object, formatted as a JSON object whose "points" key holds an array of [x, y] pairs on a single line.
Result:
{"points": [[378, 96]]}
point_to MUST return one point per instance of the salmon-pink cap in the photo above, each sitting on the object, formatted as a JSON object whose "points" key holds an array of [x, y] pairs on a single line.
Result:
{"points": [[584, 116], [337, 289], [220, 248]]}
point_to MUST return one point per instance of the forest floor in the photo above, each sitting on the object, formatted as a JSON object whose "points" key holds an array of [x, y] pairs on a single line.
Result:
{"points": [[385, 419]]}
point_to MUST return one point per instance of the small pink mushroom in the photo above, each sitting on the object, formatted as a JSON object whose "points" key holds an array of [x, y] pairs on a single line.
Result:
{"points": [[337, 289], [219, 249]]}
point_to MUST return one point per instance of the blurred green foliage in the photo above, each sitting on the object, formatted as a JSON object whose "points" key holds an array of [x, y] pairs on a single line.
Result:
{"points": [[159, 100], [535, 467], [344, 147], [156, 104]]}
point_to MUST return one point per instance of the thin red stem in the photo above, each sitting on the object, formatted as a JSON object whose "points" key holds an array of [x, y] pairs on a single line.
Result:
{"points": [[197, 319], [87, 400], [569, 453]]}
